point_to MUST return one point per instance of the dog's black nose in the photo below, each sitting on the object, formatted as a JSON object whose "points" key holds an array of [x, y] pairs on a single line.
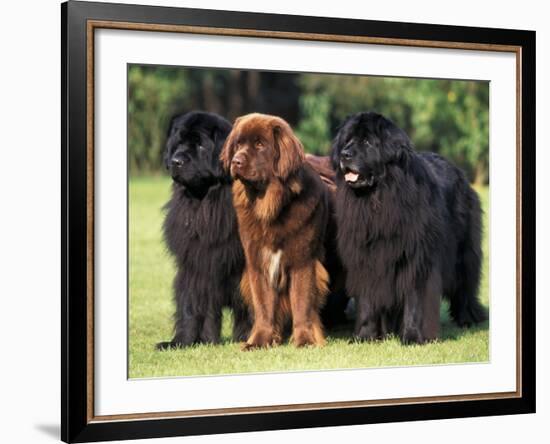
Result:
{"points": [[177, 162]]}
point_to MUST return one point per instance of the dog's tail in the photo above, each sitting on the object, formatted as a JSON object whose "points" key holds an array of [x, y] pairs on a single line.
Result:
{"points": [[466, 308], [321, 283]]}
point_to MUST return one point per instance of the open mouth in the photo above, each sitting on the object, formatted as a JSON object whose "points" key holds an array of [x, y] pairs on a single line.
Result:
{"points": [[354, 178], [351, 177]]}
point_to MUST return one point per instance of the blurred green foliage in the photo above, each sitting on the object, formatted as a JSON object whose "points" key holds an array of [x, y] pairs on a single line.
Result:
{"points": [[314, 126], [446, 116], [151, 99]]}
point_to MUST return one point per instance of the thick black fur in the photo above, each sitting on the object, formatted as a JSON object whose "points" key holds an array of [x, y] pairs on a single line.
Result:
{"points": [[409, 232], [200, 230]]}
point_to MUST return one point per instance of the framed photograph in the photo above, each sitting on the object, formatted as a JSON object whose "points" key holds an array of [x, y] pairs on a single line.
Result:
{"points": [[275, 221]]}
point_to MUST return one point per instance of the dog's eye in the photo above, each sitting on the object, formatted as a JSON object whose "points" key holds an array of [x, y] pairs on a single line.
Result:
{"points": [[259, 144]]}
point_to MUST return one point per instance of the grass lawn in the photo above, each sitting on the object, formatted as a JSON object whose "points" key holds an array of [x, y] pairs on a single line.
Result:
{"points": [[151, 271]]}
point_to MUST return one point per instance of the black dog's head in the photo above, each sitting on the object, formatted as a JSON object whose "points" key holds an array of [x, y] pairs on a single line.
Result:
{"points": [[193, 146], [366, 144]]}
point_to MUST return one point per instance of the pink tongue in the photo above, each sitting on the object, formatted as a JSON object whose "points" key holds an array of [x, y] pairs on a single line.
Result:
{"points": [[351, 177]]}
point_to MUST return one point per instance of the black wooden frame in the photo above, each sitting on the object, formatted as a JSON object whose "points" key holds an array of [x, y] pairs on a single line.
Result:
{"points": [[76, 425]]}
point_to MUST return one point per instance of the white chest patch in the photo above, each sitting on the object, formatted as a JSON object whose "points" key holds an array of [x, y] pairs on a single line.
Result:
{"points": [[274, 267]]}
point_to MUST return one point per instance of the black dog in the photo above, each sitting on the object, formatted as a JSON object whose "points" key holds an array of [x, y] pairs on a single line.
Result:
{"points": [[200, 230], [409, 231]]}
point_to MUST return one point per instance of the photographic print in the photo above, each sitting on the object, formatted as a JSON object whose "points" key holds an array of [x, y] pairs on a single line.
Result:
{"points": [[257, 206], [294, 221]]}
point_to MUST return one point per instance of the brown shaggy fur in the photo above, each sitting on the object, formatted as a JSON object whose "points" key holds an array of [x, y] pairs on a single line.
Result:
{"points": [[323, 166], [283, 210]]}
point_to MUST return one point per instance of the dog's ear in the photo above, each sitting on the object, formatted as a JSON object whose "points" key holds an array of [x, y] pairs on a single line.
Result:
{"points": [[289, 151], [169, 141], [339, 141], [228, 150], [219, 133], [395, 141]]}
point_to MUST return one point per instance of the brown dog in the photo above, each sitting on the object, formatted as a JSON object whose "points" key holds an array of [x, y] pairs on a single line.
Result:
{"points": [[283, 210], [323, 166]]}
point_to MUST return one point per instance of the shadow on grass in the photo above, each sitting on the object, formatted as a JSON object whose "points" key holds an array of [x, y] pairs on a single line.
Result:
{"points": [[341, 331], [449, 330], [344, 332], [452, 332]]}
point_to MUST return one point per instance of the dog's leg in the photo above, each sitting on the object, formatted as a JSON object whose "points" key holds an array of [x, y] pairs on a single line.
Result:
{"points": [[367, 314], [212, 315], [188, 325], [242, 321], [366, 321], [187, 321], [385, 324], [306, 322], [432, 303], [413, 319], [421, 311], [211, 327], [263, 300]]}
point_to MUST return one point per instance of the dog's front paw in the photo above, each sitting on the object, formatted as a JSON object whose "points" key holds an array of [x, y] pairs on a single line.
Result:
{"points": [[412, 336], [263, 338], [168, 345], [365, 333], [302, 337]]}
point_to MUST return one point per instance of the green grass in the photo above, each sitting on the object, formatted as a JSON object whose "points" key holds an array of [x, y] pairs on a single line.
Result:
{"points": [[151, 308]]}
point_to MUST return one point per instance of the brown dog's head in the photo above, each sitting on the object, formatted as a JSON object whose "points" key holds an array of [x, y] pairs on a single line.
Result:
{"points": [[261, 147]]}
